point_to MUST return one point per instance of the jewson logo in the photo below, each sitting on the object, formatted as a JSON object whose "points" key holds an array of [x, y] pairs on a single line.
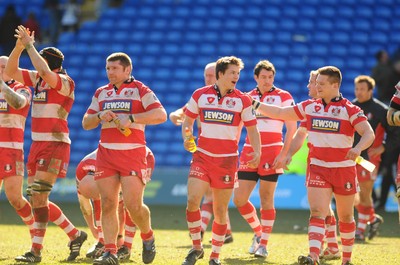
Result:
{"points": [[40, 97], [122, 105], [3, 106], [325, 125], [218, 116]]}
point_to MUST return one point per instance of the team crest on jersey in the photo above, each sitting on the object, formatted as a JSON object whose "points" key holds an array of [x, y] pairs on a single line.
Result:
{"points": [[317, 108], [3, 106], [230, 103], [369, 116], [41, 162], [118, 106], [270, 100], [348, 186], [128, 93], [132, 173], [217, 116], [227, 179], [7, 168], [40, 96], [336, 111], [320, 124]]}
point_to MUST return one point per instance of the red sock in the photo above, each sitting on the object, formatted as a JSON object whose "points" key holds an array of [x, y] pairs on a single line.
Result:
{"points": [[194, 223], [27, 217], [330, 233], [316, 233], [130, 230], [218, 237], [206, 214], [267, 223], [41, 219], [347, 233], [56, 216], [249, 214]]}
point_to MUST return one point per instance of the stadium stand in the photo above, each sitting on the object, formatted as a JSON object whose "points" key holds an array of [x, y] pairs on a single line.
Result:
{"points": [[171, 41]]}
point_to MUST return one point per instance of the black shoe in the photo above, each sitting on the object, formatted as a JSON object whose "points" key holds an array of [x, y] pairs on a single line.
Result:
{"points": [[95, 251], [106, 259], [307, 260], [29, 257], [374, 226], [214, 262], [148, 252], [359, 237], [75, 246], [124, 253], [228, 239], [193, 256]]}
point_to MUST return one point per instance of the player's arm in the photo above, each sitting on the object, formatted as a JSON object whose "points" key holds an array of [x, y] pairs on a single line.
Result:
{"points": [[280, 160], [12, 67], [187, 123], [255, 142], [87, 212], [177, 116], [275, 112], [40, 64], [297, 142], [17, 100], [91, 121], [393, 117], [364, 129]]}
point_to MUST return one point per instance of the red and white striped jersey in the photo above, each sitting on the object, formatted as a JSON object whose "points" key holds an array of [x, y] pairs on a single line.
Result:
{"points": [[131, 98], [50, 107], [221, 118], [12, 121], [330, 130], [270, 129]]}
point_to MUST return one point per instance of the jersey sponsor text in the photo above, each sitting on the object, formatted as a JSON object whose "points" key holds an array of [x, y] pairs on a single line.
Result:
{"points": [[117, 105], [325, 125], [218, 116]]}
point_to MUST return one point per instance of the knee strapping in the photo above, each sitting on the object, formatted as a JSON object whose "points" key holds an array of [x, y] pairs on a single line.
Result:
{"points": [[41, 186]]}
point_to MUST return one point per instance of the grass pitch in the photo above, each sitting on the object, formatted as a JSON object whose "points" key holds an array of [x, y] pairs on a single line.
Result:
{"points": [[173, 243]]}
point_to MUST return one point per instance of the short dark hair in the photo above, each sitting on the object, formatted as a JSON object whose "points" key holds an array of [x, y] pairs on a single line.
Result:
{"points": [[53, 56], [222, 64], [367, 79], [264, 64], [335, 76], [122, 57]]}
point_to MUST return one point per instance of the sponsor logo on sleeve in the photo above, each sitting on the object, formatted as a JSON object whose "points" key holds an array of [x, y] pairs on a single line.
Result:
{"points": [[320, 124]]}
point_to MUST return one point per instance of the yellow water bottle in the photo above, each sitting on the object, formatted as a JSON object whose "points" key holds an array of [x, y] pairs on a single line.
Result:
{"points": [[124, 131], [190, 138]]}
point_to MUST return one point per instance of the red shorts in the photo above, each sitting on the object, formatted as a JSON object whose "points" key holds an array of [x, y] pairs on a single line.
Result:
{"points": [[11, 162], [268, 155], [220, 172], [341, 180], [363, 174], [121, 163], [52, 157]]}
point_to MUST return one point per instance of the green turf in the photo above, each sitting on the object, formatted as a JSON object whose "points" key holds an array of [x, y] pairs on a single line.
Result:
{"points": [[173, 242]]}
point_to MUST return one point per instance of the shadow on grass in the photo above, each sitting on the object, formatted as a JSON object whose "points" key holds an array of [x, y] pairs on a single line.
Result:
{"points": [[166, 217]]}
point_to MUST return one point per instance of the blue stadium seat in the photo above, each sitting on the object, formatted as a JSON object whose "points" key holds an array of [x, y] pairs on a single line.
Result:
{"points": [[341, 37], [361, 23], [308, 11]]}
